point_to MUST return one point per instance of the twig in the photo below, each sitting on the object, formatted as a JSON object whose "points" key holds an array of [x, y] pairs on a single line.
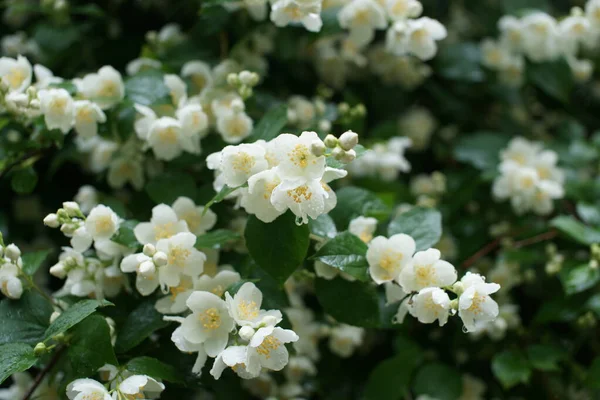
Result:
{"points": [[551, 234], [43, 372], [488, 248]]}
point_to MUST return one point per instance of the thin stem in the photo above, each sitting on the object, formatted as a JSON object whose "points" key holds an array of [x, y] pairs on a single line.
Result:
{"points": [[551, 234], [29, 280], [40, 377], [485, 250]]}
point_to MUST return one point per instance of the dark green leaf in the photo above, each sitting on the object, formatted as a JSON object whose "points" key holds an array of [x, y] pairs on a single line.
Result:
{"points": [[511, 368], [323, 226], [545, 357], [125, 235], [481, 149], [438, 381], [423, 224], [154, 368], [460, 62], [55, 39], [354, 202], [211, 20], [579, 278], [24, 320], [347, 253], [73, 315], [23, 181], [593, 375], [553, 78], [166, 188], [576, 230], [140, 324], [90, 347], [353, 303], [271, 124], [33, 260], [15, 357], [216, 239], [278, 247], [147, 88], [589, 213], [224, 192]]}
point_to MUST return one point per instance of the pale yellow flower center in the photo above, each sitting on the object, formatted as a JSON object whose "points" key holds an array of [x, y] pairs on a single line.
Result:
{"points": [[300, 156], [247, 309], [164, 231], [104, 224], [168, 135], [300, 194], [269, 343], [178, 256], [243, 162], [210, 318]]}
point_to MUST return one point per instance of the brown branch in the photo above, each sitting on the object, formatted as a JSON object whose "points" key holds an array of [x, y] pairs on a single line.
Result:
{"points": [[40, 377], [488, 248], [551, 234]]}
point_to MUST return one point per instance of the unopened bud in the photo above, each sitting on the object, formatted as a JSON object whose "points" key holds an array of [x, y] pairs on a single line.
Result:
{"points": [[248, 78], [343, 108], [147, 269], [269, 320], [62, 214], [338, 153], [68, 229], [40, 349], [246, 91], [246, 332], [348, 140], [160, 259], [233, 79], [330, 141], [237, 105], [318, 148], [360, 110], [72, 208], [149, 249], [11, 287], [54, 315], [51, 221], [58, 270], [12, 251], [458, 288], [348, 156]]}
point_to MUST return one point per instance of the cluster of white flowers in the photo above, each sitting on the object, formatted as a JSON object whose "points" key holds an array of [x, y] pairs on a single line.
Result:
{"points": [[123, 385], [529, 177], [404, 70], [235, 331], [10, 270], [540, 37], [288, 172], [420, 281], [383, 160], [428, 188]]}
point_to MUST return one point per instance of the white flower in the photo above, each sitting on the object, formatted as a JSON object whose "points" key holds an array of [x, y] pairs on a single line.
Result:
{"points": [[141, 386], [363, 227], [512, 33], [418, 124], [165, 138], [239, 163], [387, 257], [236, 358], [177, 87], [209, 322], [199, 73], [540, 37], [194, 124], [427, 270], [102, 152], [257, 199], [147, 277], [495, 55], [182, 258], [403, 9], [472, 388], [87, 117], [244, 307], [174, 303], [81, 389], [234, 127], [10, 285], [163, 224], [415, 36], [105, 88], [81, 239], [44, 77], [267, 348], [58, 108], [188, 347], [102, 222], [296, 161], [125, 169], [16, 74], [87, 198], [142, 64], [309, 199], [188, 211], [305, 12], [521, 151], [430, 304], [344, 339], [217, 284], [301, 112], [362, 18], [573, 31], [144, 122], [475, 306]]}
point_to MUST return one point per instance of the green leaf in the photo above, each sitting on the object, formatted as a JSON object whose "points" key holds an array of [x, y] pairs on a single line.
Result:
{"points": [[576, 230], [224, 192], [593, 374], [553, 78], [140, 324], [438, 381], [270, 125], [73, 315], [55, 39], [24, 180], [511, 368], [323, 226], [90, 347], [517, 6], [147, 88], [15, 357], [33, 260], [460, 62], [125, 235], [423, 224], [216, 239], [154, 368], [24, 320], [390, 380], [589, 213], [347, 253], [545, 357], [579, 278], [166, 188], [353, 303], [481, 150], [353, 202], [278, 247]]}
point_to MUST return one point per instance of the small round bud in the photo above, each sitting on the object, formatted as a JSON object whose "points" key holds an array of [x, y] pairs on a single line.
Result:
{"points": [[338, 153], [35, 103], [54, 315], [343, 108], [458, 288], [269, 320], [237, 105], [40, 349], [324, 125], [318, 148], [51, 221], [246, 332], [68, 229], [160, 259], [292, 116], [248, 78], [330, 141], [348, 140], [360, 110], [58, 270], [233, 79], [147, 269], [246, 91], [149, 249], [72, 208], [62, 214], [348, 156], [11, 287], [12, 251]]}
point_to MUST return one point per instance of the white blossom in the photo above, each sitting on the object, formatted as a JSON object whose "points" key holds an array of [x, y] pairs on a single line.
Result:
{"points": [[345, 339], [388, 256], [475, 306], [141, 386], [102, 222], [15, 73], [87, 117], [58, 108], [427, 270], [430, 304], [163, 224], [106, 87], [305, 12], [81, 389], [245, 305], [362, 18], [415, 36]]}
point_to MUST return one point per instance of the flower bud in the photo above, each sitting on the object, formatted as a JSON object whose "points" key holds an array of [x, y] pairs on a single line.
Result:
{"points": [[338, 153], [68, 229], [348, 140], [149, 249], [40, 349], [72, 208], [458, 288], [245, 91], [51, 221], [269, 320], [237, 105], [12, 251], [330, 141], [11, 287], [54, 315], [248, 78], [233, 79], [62, 214], [160, 259], [318, 148], [292, 117], [348, 156], [58, 270], [246, 332], [147, 269]]}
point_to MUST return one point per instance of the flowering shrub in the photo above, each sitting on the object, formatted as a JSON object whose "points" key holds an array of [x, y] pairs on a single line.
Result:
{"points": [[299, 199]]}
